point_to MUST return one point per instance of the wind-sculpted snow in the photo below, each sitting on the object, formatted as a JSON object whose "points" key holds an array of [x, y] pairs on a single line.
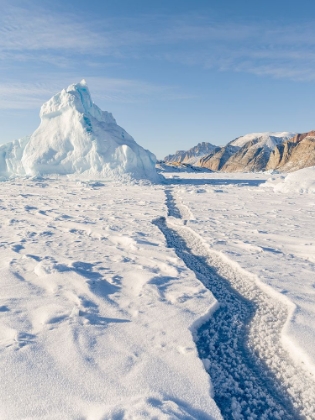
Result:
{"points": [[76, 137], [252, 374], [95, 310], [156, 301]]}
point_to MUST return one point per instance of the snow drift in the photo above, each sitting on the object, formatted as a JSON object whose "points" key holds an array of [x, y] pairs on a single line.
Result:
{"points": [[76, 137]]}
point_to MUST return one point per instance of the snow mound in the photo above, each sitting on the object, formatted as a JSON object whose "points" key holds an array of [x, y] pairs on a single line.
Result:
{"points": [[268, 139], [302, 182], [76, 137]]}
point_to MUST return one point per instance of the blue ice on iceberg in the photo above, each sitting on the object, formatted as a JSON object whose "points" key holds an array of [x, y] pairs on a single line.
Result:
{"points": [[76, 137]]}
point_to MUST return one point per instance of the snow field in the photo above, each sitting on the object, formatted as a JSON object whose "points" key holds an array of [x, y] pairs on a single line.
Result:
{"points": [[95, 311], [100, 314]]}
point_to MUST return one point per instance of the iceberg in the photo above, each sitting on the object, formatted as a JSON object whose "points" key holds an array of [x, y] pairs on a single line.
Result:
{"points": [[300, 182], [76, 137]]}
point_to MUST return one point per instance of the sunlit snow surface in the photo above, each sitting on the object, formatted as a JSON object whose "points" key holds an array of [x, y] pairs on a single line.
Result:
{"points": [[98, 317], [95, 311]]}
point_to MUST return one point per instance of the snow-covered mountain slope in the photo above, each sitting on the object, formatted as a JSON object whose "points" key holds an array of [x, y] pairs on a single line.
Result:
{"points": [[76, 137], [191, 156], [268, 139]]}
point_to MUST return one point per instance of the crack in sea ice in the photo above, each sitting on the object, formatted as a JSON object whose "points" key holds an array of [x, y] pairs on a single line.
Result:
{"points": [[252, 375]]}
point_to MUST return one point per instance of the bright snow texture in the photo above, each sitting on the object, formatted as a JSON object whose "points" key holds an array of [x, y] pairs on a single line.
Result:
{"points": [[96, 313], [302, 182], [76, 137]]}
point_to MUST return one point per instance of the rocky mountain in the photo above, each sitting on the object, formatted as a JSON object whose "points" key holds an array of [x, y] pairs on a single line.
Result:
{"points": [[254, 154], [191, 156], [294, 154], [246, 153], [216, 160], [76, 137]]}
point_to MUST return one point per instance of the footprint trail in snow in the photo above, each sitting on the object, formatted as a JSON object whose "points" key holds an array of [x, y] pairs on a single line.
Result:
{"points": [[253, 376]]}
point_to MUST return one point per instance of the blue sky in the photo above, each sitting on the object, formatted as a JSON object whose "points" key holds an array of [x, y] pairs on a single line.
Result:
{"points": [[173, 73]]}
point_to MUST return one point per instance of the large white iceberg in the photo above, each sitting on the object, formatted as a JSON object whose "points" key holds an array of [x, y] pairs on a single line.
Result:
{"points": [[76, 137]]}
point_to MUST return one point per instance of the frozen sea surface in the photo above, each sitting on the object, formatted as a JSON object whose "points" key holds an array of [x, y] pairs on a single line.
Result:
{"points": [[190, 300]]}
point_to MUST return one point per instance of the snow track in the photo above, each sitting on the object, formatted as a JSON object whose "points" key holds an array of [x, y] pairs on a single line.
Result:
{"points": [[252, 374]]}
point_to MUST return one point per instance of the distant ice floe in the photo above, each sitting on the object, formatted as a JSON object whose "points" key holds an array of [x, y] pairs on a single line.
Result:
{"points": [[301, 182], [76, 137]]}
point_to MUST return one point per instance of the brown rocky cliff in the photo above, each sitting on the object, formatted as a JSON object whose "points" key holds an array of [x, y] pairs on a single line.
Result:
{"points": [[294, 154], [251, 157], [300, 137], [218, 158]]}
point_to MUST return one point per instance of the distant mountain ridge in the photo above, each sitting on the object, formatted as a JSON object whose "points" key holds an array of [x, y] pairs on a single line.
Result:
{"points": [[254, 151], [283, 151], [191, 156]]}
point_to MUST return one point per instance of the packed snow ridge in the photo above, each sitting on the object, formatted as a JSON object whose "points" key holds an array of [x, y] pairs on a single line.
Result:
{"points": [[76, 137]]}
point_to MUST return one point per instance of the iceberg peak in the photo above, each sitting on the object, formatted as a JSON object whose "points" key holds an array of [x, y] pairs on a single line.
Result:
{"points": [[75, 98], [76, 137]]}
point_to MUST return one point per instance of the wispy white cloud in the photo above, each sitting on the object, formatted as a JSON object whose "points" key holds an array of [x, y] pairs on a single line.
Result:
{"points": [[23, 30], [19, 95], [266, 49], [107, 90], [255, 48]]}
